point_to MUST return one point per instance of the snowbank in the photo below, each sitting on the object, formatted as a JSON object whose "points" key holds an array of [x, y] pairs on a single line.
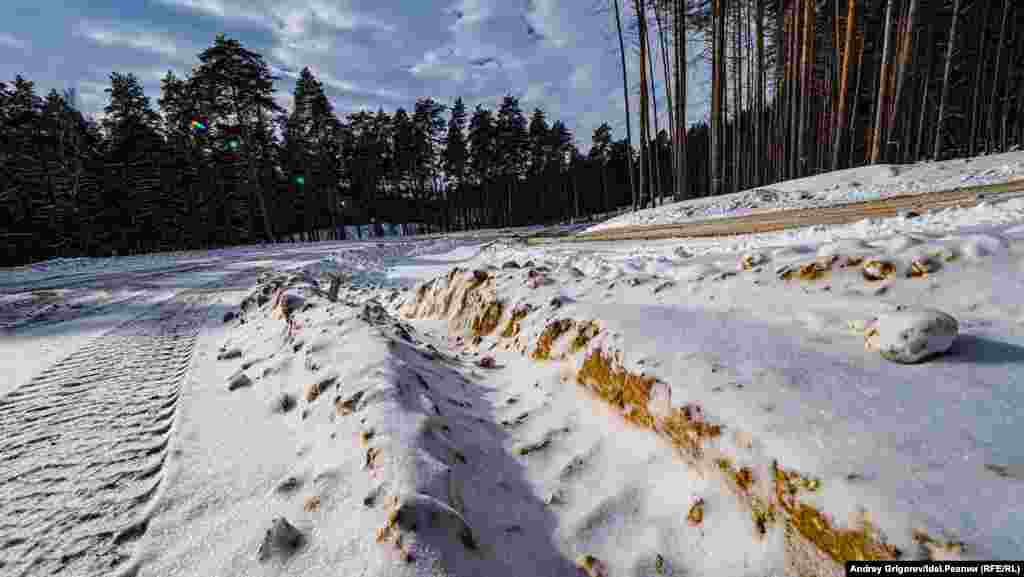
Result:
{"points": [[844, 186], [770, 345]]}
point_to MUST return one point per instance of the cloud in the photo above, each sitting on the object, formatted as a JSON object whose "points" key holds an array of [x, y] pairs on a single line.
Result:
{"points": [[118, 34], [226, 9], [433, 66], [91, 96], [349, 89], [11, 41], [547, 21], [582, 78], [536, 93], [471, 13], [289, 18]]}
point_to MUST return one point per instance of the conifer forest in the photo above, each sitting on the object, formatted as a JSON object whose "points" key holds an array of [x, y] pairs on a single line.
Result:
{"points": [[797, 88]]}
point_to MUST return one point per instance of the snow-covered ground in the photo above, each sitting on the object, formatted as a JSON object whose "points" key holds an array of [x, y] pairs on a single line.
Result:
{"points": [[871, 182], [704, 407]]}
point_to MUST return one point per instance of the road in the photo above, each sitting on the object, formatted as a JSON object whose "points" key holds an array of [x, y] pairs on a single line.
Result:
{"points": [[776, 220]]}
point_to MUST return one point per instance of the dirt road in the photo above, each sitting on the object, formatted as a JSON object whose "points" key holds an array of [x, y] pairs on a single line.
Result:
{"points": [[770, 221]]}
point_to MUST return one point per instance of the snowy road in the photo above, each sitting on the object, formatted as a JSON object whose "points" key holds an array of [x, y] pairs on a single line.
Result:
{"points": [[83, 445], [774, 219]]}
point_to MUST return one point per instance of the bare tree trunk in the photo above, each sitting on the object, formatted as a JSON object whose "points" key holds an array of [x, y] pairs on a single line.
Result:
{"points": [[717, 80], [904, 60], [1012, 74], [625, 98], [883, 88], [644, 106], [944, 93], [682, 182], [737, 94], [923, 122], [979, 81], [993, 102], [854, 114], [656, 155], [663, 41], [844, 83], [806, 85], [759, 90], [796, 91]]}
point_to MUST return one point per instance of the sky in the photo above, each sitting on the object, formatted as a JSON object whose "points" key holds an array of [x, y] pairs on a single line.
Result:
{"points": [[559, 55]]}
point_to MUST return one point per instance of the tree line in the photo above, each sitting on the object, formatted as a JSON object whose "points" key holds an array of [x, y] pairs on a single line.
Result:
{"points": [[800, 87], [217, 161]]}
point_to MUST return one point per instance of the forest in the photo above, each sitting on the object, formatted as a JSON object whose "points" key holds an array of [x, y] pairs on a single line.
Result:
{"points": [[798, 87]]}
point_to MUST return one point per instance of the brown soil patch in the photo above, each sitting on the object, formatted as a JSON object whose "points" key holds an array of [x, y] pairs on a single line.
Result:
{"points": [[841, 545], [547, 338], [514, 324], [486, 322]]}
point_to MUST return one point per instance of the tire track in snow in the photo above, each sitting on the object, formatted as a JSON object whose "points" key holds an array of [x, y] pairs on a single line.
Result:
{"points": [[83, 445]]}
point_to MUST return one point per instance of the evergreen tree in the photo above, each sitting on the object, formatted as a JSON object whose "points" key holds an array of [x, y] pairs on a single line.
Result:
{"points": [[600, 155], [455, 155], [482, 153], [130, 124], [236, 91]]}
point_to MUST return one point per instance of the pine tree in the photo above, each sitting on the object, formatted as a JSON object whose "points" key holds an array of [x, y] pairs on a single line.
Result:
{"points": [[513, 147], [455, 156], [482, 156], [236, 88], [600, 154]]}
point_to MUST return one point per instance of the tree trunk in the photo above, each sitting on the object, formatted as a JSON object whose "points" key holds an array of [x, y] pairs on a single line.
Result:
{"points": [[625, 98], [879, 134], [759, 90], [666, 74], [682, 182], [806, 84], [644, 106], [717, 80], [979, 81], [792, 125], [736, 99], [923, 121], [895, 115], [655, 156], [855, 108], [1012, 75], [944, 92], [844, 83], [993, 102]]}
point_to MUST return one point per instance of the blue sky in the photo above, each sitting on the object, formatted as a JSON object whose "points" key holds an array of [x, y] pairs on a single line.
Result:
{"points": [[560, 55]]}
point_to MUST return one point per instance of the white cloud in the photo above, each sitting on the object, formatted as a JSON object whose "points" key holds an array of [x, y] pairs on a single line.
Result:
{"points": [[350, 89], [536, 93], [11, 41], [433, 67], [289, 18], [549, 19], [582, 78], [227, 9], [116, 34], [471, 13], [91, 96]]}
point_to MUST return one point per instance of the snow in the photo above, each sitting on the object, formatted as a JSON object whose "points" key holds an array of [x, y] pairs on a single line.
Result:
{"points": [[843, 186], [372, 414]]}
